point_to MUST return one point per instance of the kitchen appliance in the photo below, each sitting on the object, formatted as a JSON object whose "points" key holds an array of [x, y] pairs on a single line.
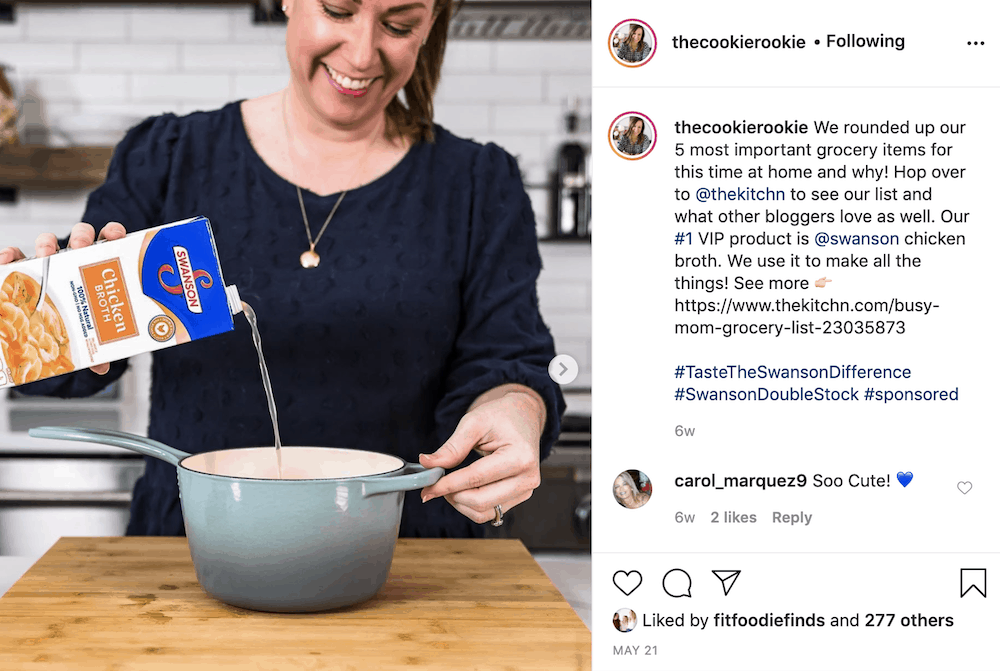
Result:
{"points": [[522, 20], [49, 488], [493, 19], [570, 196], [321, 538]]}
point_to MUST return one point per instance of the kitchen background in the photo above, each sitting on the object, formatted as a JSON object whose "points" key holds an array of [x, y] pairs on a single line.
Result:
{"points": [[85, 72]]}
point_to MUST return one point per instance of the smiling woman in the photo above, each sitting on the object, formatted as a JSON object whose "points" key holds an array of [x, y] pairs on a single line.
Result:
{"points": [[368, 51], [392, 266]]}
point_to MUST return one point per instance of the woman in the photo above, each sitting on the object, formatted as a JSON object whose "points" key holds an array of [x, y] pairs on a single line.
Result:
{"points": [[627, 493], [634, 141], [634, 49], [392, 267]]}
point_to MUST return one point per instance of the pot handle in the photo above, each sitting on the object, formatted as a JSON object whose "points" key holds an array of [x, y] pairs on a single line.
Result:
{"points": [[414, 476], [140, 444]]}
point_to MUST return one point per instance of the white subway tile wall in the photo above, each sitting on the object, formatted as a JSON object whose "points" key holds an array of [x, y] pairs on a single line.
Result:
{"points": [[140, 61]]}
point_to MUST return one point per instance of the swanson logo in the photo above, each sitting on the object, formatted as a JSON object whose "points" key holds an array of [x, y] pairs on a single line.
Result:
{"points": [[189, 279]]}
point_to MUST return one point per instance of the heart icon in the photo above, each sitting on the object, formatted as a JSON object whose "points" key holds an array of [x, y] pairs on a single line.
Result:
{"points": [[627, 582], [964, 487], [904, 478]]}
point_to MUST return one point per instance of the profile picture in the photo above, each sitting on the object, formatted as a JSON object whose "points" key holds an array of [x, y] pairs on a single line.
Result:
{"points": [[624, 620], [632, 135], [632, 43], [633, 489]]}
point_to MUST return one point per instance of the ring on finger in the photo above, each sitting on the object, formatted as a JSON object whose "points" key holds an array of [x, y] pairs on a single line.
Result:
{"points": [[498, 519]]}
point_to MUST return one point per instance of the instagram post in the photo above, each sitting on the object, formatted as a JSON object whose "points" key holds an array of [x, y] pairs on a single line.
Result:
{"points": [[311, 357], [295, 355], [791, 341]]}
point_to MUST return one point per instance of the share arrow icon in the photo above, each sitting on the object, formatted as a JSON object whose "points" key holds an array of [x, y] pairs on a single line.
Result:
{"points": [[728, 579]]}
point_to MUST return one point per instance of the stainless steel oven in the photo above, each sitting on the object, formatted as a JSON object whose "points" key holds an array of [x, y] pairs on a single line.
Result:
{"points": [[53, 488], [124, 406]]}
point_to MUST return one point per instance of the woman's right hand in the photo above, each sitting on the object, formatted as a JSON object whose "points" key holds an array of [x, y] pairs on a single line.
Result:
{"points": [[82, 235]]}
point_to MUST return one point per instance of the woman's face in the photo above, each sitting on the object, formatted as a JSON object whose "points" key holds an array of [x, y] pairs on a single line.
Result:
{"points": [[350, 58], [622, 490], [639, 34], [638, 128]]}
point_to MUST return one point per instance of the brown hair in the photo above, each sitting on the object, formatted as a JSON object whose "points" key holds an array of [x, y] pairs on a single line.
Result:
{"points": [[635, 120], [636, 27], [416, 117]]}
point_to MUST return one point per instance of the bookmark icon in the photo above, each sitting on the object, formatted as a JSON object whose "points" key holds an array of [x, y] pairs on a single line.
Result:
{"points": [[972, 579]]}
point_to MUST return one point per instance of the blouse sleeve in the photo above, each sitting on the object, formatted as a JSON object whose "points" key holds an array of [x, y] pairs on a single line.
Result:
{"points": [[645, 51], [623, 51], [132, 194], [502, 338]]}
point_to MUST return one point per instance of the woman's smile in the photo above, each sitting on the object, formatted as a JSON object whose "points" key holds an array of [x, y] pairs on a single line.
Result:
{"points": [[347, 85]]}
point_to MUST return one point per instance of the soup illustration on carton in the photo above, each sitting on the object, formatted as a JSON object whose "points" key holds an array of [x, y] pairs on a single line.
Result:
{"points": [[152, 289]]}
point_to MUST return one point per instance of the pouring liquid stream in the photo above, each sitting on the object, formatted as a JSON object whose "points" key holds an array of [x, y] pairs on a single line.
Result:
{"points": [[252, 319]]}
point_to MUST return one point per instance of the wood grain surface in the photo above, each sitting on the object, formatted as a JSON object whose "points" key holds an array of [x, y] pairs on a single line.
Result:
{"points": [[135, 603], [41, 167]]}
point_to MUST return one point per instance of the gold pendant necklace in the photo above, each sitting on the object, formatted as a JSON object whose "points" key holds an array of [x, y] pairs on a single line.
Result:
{"points": [[308, 258]]}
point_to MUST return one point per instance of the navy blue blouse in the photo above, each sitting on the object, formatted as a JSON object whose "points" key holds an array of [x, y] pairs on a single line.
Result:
{"points": [[425, 298]]}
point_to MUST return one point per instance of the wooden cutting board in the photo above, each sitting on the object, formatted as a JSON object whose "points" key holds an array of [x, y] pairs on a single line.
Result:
{"points": [[135, 603]]}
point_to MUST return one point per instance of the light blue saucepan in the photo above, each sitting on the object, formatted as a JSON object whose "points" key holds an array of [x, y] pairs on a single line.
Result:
{"points": [[320, 538]]}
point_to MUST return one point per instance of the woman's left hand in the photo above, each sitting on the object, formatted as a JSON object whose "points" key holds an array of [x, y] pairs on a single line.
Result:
{"points": [[506, 430]]}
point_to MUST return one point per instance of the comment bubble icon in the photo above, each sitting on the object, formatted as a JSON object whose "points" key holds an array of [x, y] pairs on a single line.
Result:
{"points": [[677, 583]]}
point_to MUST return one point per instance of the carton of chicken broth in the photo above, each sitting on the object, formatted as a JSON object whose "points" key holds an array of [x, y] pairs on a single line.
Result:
{"points": [[149, 290]]}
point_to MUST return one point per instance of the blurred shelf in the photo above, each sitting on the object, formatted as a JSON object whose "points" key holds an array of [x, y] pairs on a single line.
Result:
{"points": [[42, 167]]}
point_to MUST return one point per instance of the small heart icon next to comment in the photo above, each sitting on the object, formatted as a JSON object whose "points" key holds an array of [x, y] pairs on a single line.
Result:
{"points": [[904, 478], [964, 487], [627, 582]]}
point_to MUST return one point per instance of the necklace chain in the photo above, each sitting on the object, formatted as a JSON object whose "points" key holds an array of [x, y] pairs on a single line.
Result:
{"points": [[298, 190], [305, 219]]}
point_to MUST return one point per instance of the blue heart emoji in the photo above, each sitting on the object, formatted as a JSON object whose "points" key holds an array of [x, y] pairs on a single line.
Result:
{"points": [[904, 478]]}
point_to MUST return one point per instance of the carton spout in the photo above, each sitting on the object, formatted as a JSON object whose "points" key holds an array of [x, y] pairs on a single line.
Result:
{"points": [[233, 296]]}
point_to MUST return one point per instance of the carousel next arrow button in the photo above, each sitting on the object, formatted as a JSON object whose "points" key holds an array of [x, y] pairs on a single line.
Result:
{"points": [[563, 369]]}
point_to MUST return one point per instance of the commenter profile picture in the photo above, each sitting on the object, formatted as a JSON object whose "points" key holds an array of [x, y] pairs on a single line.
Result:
{"points": [[632, 135], [632, 43], [632, 489]]}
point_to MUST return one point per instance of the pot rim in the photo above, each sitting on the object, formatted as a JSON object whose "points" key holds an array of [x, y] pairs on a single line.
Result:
{"points": [[228, 478]]}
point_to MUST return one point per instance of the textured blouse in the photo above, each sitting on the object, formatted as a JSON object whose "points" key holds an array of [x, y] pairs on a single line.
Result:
{"points": [[424, 299], [626, 53], [626, 146]]}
